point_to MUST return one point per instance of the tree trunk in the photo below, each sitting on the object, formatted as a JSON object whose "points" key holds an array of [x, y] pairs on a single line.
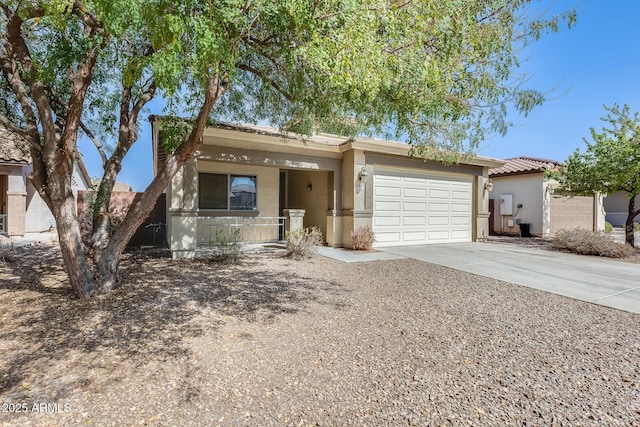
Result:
{"points": [[75, 259], [629, 237], [107, 265], [107, 257]]}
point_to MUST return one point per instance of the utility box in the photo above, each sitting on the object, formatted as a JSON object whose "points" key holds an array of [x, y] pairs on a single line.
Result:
{"points": [[506, 204]]}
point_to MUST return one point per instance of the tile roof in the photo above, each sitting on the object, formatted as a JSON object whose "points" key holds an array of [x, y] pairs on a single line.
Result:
{"points": [[13, 149], [524, 165]]}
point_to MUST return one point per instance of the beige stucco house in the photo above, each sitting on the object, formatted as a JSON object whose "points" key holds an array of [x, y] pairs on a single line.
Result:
{"points": [[256, 180], [522, 194], [22, 210]]}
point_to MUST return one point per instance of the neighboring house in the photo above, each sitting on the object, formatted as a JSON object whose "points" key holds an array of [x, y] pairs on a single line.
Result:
{"points": [[523, 197], [617, 207], [250, 178], [117, 187], [21, 207]]}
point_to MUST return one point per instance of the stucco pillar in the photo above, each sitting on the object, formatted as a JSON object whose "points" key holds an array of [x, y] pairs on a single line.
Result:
{"points": [[182, 199], [334, 229], [482, 206], [295, 219], [599, 212], [358, 194]]}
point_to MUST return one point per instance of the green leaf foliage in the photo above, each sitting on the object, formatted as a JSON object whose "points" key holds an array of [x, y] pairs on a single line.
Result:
{"points": [[611, 161], [440, 72]]}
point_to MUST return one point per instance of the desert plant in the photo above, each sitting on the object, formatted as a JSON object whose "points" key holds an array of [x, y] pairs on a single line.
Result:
{"points": [[608, 228], [302, 243], [587, 242], [362, 238], [226, 247]]}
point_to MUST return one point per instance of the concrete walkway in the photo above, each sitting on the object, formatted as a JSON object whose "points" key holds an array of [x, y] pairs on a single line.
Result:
{"points": [[598, 280], [49, 237]]}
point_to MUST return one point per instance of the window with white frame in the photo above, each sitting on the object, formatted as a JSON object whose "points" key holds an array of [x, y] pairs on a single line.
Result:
{"points": [[227, 192]]}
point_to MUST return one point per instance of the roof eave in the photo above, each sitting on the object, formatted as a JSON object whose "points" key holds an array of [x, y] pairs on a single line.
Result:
{"points": [[400, 149]]}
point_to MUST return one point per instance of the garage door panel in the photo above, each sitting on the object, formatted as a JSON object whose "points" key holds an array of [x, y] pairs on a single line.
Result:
{"points": [[459, 220], [386, 191], [414, 220], [387, 206], [460, 195], [387, 237], [441, 194], [410, 180], [411, 192], [438, 236], [414, 209], [414, 236], [438, 207], [438, 220], [386, 221], [460, 207], [414, 206]]}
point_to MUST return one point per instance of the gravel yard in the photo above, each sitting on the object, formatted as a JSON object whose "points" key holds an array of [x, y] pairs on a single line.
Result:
{"points": [[274, 341]]}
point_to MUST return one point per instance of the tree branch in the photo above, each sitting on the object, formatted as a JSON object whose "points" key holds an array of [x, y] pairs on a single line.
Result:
{"points": [[265, 79]]}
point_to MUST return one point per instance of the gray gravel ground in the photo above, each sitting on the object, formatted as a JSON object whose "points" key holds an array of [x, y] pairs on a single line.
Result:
{"points": [[276, 341]]}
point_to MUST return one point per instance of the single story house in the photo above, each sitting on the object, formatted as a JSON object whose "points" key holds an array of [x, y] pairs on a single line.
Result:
{"points": [[524, 201], [22, 210], [253, 179]]}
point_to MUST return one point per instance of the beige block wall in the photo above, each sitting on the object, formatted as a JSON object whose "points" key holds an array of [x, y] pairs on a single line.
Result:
{"points": [[526, 190], [571, 212]]}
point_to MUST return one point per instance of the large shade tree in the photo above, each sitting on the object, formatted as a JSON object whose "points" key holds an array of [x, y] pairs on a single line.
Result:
{"points": [[440, 73], [610, 163]]}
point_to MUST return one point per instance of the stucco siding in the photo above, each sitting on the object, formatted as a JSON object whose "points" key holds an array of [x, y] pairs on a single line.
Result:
{"points": [[527, 190], [314, 202]]}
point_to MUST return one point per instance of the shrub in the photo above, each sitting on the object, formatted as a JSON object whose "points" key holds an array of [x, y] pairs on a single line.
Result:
{"points": [[302, 243], [362, 238], [586, 242], [226, 248], [608, 228]]}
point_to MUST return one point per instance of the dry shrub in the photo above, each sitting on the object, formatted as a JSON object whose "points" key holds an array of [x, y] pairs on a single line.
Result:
{"points": [[302, 243], [362, 238], [587, 242], [227, 248]]}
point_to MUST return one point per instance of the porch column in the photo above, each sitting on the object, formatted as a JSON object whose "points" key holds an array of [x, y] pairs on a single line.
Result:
{"points": [[182, 221], [482, 213], [295, 219]]}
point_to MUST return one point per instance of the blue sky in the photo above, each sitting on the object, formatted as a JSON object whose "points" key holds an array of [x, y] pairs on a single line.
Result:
{"points": [[595, 63]]}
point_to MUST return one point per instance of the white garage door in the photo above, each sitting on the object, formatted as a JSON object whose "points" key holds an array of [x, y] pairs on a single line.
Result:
{"points": [[414, 209]]}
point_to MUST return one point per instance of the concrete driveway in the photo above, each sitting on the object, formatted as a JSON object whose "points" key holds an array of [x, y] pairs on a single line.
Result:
{"points": [[598, 280]]}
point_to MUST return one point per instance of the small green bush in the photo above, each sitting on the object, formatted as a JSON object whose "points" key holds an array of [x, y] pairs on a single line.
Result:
{"points": [[586, 242], [608, 228], [227, 248], [302, 243], [362, 238]]}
